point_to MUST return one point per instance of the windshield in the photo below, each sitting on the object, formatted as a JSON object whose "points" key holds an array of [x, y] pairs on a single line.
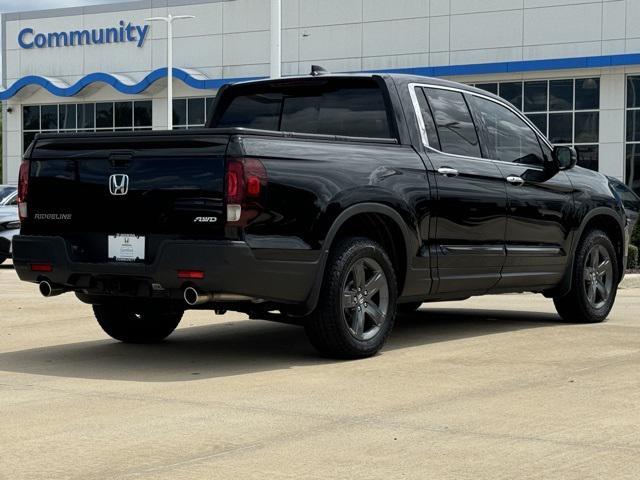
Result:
{"points": [[6, 193]]}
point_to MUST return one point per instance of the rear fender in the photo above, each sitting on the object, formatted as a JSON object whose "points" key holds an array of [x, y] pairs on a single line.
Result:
{"points": [[410, 236]]}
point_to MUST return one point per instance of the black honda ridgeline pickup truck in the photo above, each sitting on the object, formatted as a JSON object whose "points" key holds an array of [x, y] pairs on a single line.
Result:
{"points": [[332, 201]]}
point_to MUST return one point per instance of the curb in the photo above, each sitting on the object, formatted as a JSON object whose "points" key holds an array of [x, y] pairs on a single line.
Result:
{"points": [[631, 281]]}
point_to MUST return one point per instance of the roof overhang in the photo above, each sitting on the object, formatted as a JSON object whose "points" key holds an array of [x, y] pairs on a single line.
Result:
{"points": [[120, 83]]}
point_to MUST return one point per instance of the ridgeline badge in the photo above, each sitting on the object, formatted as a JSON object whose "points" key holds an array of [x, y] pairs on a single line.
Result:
{"points": [[125, 32]]}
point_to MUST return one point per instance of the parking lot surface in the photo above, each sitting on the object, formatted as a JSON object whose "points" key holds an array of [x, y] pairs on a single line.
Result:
{"points": [[495, 388]]}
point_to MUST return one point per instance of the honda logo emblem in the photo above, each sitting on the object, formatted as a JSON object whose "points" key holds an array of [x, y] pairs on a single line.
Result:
{"points": [[119, 184]]}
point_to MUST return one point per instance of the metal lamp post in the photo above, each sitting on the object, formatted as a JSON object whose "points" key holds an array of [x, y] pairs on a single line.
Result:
{"points": [[169, 19], [276, 39]]}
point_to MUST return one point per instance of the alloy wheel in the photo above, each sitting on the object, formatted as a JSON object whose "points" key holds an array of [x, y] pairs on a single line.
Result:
{"points": [[365, 299], [598, 276]]}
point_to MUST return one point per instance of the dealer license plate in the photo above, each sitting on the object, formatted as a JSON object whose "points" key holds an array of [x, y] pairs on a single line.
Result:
{"points": [[125, 247]]}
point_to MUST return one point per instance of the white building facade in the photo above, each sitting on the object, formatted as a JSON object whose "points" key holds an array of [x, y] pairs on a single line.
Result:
{"points": [[573, 66]]}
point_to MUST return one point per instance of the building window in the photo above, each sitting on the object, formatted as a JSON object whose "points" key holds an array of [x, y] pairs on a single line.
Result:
{"points": [[191, 112], [632, 163], [85, 117], [565, 110]]}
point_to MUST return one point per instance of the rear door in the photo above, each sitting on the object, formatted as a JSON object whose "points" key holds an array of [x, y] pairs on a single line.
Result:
{"points": [[470, 208], [540, 204]]}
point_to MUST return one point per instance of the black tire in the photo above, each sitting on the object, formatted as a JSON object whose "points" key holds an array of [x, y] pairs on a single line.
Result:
{"points": [[581, 305], [3, 259], [334, 327], [406, 308], [136, 325]]}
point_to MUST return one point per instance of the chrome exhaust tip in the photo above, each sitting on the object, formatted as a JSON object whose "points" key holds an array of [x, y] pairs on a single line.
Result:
{"points": [[193, 297], [47, 290]]}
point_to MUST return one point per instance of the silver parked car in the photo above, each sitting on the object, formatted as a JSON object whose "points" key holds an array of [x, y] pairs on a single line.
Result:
{"points": [[9, 220]]}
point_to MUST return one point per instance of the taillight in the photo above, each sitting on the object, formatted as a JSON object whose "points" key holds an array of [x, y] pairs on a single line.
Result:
{"points": [[23, 189], [246, 181]]}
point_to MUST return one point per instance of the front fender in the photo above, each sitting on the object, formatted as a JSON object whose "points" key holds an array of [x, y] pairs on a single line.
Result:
{"points": [[567, 282]]}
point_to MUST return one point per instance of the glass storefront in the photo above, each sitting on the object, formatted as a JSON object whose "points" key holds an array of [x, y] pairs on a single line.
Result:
{"points": [[85, 117], [191, 112], [632, 161]]}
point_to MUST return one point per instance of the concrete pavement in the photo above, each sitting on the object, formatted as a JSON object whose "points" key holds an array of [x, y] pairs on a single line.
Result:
{"points": [[495, 388]]}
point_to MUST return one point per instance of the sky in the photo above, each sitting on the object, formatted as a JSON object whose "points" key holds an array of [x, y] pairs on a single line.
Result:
{"points": [[7, 6]]}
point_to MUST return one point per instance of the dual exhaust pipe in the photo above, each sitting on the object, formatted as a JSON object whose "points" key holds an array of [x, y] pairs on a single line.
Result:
{"points": [[49, 290], [194, 297]]}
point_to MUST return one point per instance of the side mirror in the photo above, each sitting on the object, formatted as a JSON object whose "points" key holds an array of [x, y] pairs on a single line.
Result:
{"points": [[565, 158]]}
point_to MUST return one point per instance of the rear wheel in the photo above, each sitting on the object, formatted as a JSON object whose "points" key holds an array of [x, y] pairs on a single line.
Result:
{"points": [[357, 305], [594, 283], [129, 324], [3, 258]]}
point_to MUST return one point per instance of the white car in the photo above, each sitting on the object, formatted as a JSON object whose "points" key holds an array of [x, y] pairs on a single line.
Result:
{"points": [[9, 220]]}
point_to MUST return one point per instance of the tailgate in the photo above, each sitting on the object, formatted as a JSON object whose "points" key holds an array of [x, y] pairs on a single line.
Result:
{"points": [[156, 184]]}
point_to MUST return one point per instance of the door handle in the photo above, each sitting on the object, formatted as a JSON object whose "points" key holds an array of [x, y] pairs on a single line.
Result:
{"points": [[517, 181], [448, 172]]}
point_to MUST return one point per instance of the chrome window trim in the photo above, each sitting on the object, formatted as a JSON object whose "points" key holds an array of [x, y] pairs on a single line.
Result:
{"points": [[423, 129]]}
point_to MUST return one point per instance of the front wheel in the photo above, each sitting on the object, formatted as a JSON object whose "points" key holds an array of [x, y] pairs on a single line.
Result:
{"points": [[357, 305], [595, 281], [136, 325]]}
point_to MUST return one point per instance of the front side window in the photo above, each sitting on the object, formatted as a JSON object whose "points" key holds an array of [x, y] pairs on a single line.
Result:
{"points": [[454, 124], [566, 111], [508, 137]]}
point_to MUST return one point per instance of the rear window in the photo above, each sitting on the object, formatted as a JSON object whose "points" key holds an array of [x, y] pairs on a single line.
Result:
{"points": [[261, 110], [344, 108]]}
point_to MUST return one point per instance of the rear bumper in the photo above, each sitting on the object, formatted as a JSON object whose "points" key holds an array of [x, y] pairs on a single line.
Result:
{"points": [[229, 266]]}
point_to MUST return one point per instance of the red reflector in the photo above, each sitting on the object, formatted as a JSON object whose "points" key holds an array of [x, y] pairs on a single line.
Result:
{"points": [[192, 274], [41, 267], [253, 186]]}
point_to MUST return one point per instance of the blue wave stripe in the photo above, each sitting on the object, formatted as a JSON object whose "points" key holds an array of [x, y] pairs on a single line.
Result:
{"points": [[115, 82], [212, 84]]}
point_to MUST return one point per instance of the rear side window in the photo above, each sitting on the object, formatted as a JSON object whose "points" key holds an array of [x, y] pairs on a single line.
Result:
{"points": [[427, 118], [509, 138], [354, 108], [454, 124]]}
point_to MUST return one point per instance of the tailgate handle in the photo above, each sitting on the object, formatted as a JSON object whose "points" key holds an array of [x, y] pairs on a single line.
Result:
{"points": [[120, 159]]}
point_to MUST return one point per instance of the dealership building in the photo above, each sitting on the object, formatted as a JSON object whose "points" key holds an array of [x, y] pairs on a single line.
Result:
{"points": [[573, 66]]}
